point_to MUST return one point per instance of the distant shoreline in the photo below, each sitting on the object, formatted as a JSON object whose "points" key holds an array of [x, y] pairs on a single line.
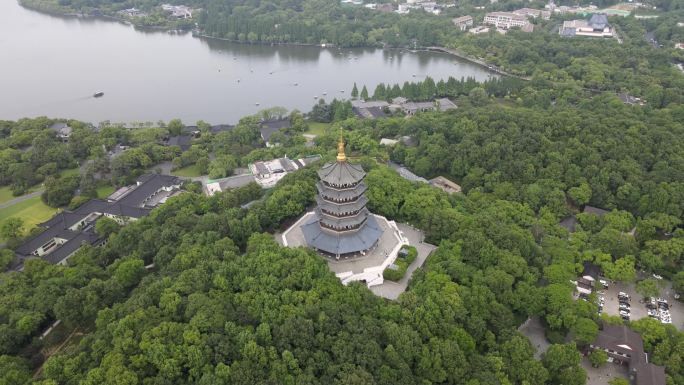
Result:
{"points": [[56, 12], [95, 16]]}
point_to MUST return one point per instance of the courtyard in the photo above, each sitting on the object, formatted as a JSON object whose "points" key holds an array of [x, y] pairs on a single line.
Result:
{"points": [[604, 373], [369, 267], [392, 290]]}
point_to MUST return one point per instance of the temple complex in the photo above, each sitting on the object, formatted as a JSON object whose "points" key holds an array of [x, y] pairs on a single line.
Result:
{"points": [[358, 244], [341, 225]]}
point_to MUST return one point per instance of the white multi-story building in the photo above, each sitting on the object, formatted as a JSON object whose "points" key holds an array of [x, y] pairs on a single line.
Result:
{"points": [[505, 20]]}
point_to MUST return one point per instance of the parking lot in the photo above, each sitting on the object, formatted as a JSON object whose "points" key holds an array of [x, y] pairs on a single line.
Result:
{"points": [[638, 308]]}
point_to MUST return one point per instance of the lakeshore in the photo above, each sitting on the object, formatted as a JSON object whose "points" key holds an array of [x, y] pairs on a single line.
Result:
{"points": [[97, 14], [145, 79]]}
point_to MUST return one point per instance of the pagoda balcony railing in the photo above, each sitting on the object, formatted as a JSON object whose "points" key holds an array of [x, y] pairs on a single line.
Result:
{"points": [[341, 215], [341, 229], [343, 187], [345, 200]]}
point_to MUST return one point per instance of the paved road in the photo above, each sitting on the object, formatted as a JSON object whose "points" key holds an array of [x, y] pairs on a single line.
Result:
{"points": [[392, 290], [22, 198], [533, 329]]}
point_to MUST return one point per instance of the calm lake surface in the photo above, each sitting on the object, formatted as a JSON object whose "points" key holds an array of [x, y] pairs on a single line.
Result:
{"points": [[53, 65]]}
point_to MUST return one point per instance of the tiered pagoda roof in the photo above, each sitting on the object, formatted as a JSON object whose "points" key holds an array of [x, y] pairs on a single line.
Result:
{"points": [[343, 224]]}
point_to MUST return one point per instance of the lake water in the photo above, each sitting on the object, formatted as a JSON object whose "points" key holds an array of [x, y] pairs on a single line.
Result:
{"points": [[53, 65]]}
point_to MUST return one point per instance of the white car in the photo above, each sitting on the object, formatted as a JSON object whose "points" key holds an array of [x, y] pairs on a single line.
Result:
{"points": [[604, 283], [656, 276]]}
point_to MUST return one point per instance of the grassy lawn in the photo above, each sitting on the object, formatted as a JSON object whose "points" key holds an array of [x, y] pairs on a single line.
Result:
{"points": [[6, 194], [317, 128], [6, 191], [104, 191], [32, 211], [189, 171], [69, 172]]}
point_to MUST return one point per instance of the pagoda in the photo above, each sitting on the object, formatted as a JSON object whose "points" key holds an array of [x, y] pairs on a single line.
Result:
{"points": [[341, 225]]}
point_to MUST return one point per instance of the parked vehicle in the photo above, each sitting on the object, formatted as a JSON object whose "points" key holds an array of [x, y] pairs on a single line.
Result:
{"points": [[604, 283], [656, 276]]}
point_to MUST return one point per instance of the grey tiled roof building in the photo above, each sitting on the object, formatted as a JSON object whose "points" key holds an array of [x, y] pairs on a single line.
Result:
{"points": [[342, 225]]}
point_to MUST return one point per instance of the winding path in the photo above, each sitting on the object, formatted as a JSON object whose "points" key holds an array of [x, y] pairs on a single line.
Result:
{"points": [[22, 198]]}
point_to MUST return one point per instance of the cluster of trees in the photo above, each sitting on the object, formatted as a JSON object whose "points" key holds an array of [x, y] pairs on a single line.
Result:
{"points": [[154, 15], [635, 65], [221, 306], [318, 22], [225, 304], [428, 89], [336, 110], [604, 153], [31, 152], [213, 308]]}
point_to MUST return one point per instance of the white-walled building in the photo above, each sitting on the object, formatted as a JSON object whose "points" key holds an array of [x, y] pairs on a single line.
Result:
{"points": [[268, 173], [505, 20]]}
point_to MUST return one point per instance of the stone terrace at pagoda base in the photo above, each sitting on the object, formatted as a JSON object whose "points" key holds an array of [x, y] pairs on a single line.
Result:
{"points": [[367, 268]]}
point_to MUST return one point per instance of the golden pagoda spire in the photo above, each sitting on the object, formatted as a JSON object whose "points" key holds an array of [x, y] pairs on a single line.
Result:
{"points": [[341, 157]]}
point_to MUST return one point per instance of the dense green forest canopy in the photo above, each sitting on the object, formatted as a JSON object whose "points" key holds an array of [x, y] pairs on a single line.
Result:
{"points": [[221, 308], [221, 302], [223, 305]]}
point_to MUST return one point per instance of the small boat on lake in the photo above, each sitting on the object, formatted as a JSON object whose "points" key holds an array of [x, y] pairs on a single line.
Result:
{"points": [[98, 94]]}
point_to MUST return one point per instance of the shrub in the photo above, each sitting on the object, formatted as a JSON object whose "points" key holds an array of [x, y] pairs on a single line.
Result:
{"points": [[412, 254], [77, 201], [394, 274], [555, 337]]}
